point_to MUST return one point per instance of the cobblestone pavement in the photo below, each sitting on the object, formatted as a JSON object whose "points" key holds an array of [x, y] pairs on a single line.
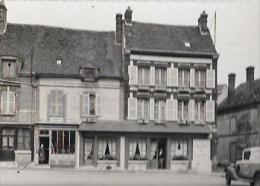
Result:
{"points": [[55, 177]]}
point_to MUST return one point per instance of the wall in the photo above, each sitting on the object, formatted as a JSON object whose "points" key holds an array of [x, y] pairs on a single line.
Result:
{"points": [[110, 91]]}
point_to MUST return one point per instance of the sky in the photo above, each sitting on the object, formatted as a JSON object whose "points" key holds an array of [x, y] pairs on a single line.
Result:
{"points": [[237, 25]]}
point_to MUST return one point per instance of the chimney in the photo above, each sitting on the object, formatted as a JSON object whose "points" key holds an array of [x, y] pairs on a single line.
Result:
{"points": [[202, 22], [119, 28], [250, 78], [3, 22], [231, 85], [128, 15]]}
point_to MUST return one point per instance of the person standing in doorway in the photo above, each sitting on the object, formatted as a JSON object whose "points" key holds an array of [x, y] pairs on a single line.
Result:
{"points": [[41, 154], [161, 159]]}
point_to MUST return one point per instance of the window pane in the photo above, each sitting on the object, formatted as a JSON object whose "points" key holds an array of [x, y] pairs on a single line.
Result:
{"points": [[146, 76], [202, 111], [146, 110], [139, 110], [162, 110], [60, 140], [196, 78], [4, 132], [140, 75], [196, 114], [66, 142], [186, 78], [27, 142], [92, 110], [89, 142], [4, 141], [185, 110], [72, 141], [11, 141], [180, 110], [163, 76], [203, 78], [180, 77], [54, 142], [157, 78], [156, 109]]}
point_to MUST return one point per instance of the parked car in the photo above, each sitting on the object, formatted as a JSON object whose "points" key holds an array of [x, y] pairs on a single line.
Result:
{"points": [[247, 169]]}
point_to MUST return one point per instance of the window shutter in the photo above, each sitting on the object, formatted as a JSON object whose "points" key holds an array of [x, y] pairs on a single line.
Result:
{"points": [[81, 106], [169, 77], [152, 76], [151, 108], [175, 109], [86, 105], [174, 77], [192, 77], [210, 78], [133, 73], [11, 96], [169, 109], [48, 107], [191, 110], [98, 105], [53, 103], [4, 102], [132, 108], [210, 111]]}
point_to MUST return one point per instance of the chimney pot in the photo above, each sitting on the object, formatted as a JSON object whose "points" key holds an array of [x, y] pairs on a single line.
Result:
{"points": [[231, 86], [202, 22], [250, 77], [128, 15]]}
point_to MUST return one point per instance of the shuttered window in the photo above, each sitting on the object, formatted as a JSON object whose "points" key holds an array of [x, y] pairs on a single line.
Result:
{"points": [[183, 113], [200, 78], [159, 110], [183, 77], [9, 69], [57, 103], [200, 109], [143, 76], [8, 102], [160, 77], [143, 109], [92, 105]]}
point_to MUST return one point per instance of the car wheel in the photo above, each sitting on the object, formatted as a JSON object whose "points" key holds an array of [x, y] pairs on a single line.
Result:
{"points": [[228, 178], [257, 179]]}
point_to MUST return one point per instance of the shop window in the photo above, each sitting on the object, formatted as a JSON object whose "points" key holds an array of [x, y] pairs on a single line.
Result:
{"points": [[7, 139], [63, 142], [200, 78], [183, 113], [143, 109], [9, 69], [89, 148], [184, 77], [8, 102], [23, 139], [159, 110], [143, 76], [137, 149], [57, 99], [92, 105], [107, 149], [179, 149], [200, 114], [160, 77]]}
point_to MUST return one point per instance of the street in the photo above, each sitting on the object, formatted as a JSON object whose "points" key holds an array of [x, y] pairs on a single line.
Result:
{"points": [[79, 178]]}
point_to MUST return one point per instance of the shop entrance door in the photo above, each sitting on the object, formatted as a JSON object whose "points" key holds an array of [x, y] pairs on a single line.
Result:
{"points": [[159, 151], [44, 150]]}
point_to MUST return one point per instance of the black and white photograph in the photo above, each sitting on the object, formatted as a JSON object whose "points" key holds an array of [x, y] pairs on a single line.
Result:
{"points": [[129, 92]]}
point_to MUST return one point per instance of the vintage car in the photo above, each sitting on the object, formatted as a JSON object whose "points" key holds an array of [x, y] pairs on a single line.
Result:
{"points": [[247, 169]]}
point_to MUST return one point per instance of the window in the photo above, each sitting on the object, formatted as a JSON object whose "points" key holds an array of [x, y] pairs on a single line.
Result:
{"points": [[179, 149], [8, 102], [159, 110], [183, 113], [89, 73], [233, 125], [137, 149], [7, 139], [59, 62], [91, 105], [247, 155], [183, 77], [200, 78], [9, 69], [200, 114], [89, 148], [57, 103], [160, 77], [107, 149], [63, 142], [23, 139], [143, 109], [144, 76]]}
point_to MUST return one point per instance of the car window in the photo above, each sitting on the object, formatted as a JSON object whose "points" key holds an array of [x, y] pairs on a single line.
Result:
{"points": [[247, 155]]}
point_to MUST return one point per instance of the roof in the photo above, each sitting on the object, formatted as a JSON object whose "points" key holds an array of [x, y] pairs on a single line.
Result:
{"points": [[76, 48], [168, 38], [134, 126], [221, 87], [242, 97]]}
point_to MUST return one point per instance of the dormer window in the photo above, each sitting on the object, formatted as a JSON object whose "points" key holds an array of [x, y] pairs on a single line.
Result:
{"points": [[187, 44], [59, 62], [89, 73], [9, 69]]}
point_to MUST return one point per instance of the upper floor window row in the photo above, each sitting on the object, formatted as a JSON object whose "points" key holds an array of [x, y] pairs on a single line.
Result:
{"points": [[171, 77]]}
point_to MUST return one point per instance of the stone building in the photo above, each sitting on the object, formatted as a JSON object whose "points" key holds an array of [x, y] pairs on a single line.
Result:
{"points": [[142, 97], [238, 118]]}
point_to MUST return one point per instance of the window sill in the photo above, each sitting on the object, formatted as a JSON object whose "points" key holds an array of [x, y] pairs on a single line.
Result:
{"points": [[199, 122], [144, 87], [7, 114], [160, 88], [160, 122], [90, 119]]}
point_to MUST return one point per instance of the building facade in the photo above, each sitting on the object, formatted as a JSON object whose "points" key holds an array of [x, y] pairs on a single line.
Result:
{"points": [[238, 118], [141, 98]]}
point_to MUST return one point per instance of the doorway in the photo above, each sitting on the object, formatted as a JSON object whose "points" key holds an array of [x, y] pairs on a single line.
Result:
{"points": [[44, 150], [159, 151]]}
